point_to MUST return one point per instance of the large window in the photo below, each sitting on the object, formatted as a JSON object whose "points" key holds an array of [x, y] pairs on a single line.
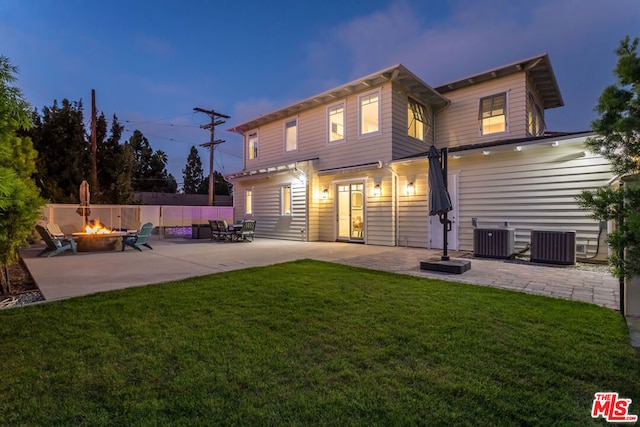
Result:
{"points": [[493, 116], [248, 202], [252, 144], [336, 123], [291, 135], [286, 200], [418, 120], [535, 118], [370, 113]]}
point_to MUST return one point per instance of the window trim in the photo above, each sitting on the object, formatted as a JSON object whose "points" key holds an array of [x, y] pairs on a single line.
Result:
{"points": [[377, 92], [256, 146], [538, 115], [248, 201], [283, 188], [285, 134], [425, 122], [342, 104], [504, 113]]}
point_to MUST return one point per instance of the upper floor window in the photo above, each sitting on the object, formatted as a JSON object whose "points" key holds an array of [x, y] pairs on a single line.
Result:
{"points": [[370, 113], [285, 200], [336, 123], [248, 202], [492, 115], [535, 118], [418, 120], [291, 135], [252, 143]]}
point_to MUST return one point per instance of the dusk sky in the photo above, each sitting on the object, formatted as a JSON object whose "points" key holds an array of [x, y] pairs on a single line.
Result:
{"points": [[152, 62]]}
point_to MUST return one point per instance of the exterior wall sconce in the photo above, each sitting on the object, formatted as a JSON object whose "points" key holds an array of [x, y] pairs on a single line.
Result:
{"points": [[555, 143], [377, 191], [486, 152], [518, 148], [410, 189], [325, 194]]}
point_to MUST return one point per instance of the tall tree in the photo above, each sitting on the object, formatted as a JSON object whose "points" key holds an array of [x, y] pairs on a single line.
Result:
{"points": [[618, 140], [150, 173], [63, 151], [19, 199], [193, 176], [115, 164]]}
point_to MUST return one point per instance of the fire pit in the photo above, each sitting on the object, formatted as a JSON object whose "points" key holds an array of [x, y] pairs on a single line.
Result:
{"points": [[88, 242], [98, 238]]}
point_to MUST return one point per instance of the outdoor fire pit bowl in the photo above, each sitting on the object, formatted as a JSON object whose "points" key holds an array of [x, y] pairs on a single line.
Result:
{"points": [[92, 242]]}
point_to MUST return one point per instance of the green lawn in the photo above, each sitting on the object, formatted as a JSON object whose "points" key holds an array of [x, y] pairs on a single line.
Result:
{"points": [[312, 343]]}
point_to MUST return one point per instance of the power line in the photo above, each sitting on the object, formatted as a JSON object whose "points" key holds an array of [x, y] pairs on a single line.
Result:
{"points": [[216, 119]]}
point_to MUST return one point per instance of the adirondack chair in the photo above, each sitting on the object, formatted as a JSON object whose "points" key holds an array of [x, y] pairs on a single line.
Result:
{"points": [[247, 230], [139, 239], [55, 245], [54, 230]]}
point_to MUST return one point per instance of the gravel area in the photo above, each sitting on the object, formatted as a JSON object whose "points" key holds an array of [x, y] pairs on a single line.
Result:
{"points": [[21, 299]]}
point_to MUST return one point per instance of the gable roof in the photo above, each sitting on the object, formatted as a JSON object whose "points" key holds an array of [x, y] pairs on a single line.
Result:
{"points": [[397, 73], [538, 68]]}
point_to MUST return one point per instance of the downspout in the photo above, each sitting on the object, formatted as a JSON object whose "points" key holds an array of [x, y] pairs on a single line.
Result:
{"points": [[396, 205]]}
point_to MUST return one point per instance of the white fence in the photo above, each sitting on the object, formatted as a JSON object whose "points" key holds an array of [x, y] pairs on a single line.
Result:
{"points": [[163, 218]]}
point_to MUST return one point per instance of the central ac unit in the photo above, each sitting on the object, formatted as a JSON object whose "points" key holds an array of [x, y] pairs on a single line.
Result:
{"points": [[493, 242], [554, 247]]}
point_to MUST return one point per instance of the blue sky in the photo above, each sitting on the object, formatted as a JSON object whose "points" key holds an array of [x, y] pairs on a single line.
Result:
{"points": [[152, 62]]}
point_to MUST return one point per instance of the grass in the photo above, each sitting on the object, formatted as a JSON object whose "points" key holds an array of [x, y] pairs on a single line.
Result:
{"points": [[312, 343]]}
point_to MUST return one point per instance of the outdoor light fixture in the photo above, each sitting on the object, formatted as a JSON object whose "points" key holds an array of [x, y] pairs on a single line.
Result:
{"points": [[411, 189], [456, 156], [555, 143], [376, 190], [486, 152], [518, 148], [325, 194]]}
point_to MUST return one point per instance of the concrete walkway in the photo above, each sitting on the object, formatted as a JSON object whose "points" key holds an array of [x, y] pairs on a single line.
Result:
{"points": [[66, 276]]}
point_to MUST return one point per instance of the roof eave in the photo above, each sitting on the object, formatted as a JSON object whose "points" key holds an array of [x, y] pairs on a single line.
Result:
{"points": [[397, 73]]}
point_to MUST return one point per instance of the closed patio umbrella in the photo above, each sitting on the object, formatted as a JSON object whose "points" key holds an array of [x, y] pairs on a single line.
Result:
{"points": [[439, 199], [85, 196]]}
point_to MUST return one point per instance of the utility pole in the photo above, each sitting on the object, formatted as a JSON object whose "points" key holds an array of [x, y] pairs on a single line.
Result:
{"points": [[94, 145], [216, 119]]}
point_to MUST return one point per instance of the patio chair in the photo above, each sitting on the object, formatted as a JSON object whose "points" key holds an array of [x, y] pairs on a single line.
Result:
{"points": [[138, 239], [55, 245], [247, 230], [54, 230], [220, 230]]}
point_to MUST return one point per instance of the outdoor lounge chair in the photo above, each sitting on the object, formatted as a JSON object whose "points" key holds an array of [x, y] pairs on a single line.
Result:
{"points": [[220, 230], [54, 230], [138, 239], [55, 245], [247, 230]]}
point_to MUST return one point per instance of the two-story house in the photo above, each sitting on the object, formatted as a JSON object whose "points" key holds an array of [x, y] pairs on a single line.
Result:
{"points": [[350, 164]]}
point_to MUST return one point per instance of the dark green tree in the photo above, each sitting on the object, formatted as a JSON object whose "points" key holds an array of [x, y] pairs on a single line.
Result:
{"points": [[19, 199], [618, 140], [115, 165], [192, 174], [223, 187], [150, 172], [63, 151]]}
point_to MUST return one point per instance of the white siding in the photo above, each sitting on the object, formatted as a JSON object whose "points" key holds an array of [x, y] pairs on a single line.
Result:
{"points": [[266, 193], [531, 189], [413, 211], [403, 144], [458, 124]]}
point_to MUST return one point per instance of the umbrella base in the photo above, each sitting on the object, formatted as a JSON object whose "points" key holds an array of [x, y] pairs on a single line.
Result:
{"points": [[455, 266]]}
